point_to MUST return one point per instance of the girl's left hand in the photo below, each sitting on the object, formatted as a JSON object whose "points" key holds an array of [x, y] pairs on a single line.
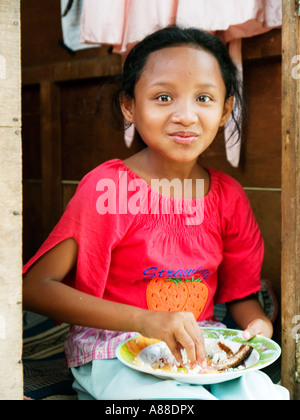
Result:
{"points": [[259, 326]]}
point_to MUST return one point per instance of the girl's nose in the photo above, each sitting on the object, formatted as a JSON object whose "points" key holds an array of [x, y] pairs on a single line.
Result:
{"points": [[185, 114]]}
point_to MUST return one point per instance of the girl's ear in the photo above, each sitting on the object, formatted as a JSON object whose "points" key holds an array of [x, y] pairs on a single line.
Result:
{"points": [[127, 107], [228, 107]]}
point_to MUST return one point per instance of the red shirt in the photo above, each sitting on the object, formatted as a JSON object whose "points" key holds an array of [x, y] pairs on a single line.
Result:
{"points": [[151, 251]]}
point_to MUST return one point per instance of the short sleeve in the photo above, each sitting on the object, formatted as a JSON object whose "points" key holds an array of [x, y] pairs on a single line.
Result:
{"points": [[243, 247], [95, 232]]}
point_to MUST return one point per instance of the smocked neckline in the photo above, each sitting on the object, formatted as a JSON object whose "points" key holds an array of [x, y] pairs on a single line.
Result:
{"points": [[207, 197]]}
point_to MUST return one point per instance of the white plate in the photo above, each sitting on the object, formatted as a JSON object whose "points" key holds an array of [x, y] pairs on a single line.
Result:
{"points": [[136, 351]]}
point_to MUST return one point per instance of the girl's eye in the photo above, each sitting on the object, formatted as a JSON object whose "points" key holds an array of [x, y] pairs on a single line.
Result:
{"points": [[164, 98], [204, 98]]}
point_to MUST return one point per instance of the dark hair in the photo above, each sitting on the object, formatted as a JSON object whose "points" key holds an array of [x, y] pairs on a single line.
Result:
{"points": [[174, 36]]}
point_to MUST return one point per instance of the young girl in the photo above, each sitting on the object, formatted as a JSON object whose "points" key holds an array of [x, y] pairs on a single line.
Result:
{"points": [[136, 230]]}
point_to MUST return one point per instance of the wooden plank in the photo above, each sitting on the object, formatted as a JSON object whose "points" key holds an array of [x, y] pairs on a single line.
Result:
{"points": [[50, 155], [262, 46], [86, 114], [11, 372], [10, 74], [290, 195], [108, 65], [266, 206], [268, 46], [11, 381]]}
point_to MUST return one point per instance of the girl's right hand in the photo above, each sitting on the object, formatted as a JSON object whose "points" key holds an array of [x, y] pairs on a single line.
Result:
{"points": [[178, 330]]}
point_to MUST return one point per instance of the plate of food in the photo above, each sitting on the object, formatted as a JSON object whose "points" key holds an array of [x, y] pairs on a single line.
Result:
{"points": [[228, 357]]}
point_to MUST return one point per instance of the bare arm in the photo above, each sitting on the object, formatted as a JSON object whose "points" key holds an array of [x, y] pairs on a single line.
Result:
{"points": [[250, 317], [44, 292]]}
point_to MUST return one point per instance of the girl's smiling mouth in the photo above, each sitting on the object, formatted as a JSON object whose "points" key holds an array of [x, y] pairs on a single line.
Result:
{"points": [[184, 137]]}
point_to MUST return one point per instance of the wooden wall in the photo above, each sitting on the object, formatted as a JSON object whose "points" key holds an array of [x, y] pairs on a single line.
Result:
{"points": [[66, 134], [11, 375]]}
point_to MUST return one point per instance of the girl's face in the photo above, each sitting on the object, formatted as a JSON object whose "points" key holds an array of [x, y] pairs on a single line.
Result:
{"points": [[179, 103]]}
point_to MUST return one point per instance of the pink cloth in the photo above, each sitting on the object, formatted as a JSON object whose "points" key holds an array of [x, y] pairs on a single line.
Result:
{"points": [[131, 239], [235, 18], [122, 23]]}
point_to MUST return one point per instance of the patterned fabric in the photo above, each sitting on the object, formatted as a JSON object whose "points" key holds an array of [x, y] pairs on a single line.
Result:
{"points": [[86, 344]]}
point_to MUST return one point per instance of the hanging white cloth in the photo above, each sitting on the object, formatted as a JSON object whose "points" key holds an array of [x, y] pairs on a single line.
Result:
{"points": [[232, 141]]}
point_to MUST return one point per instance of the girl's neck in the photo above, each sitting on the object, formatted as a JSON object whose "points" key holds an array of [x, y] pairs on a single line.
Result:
{"points": [[150, 166]]}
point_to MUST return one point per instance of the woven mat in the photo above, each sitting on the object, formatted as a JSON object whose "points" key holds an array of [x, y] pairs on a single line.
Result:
{"points": [[45, 371]]}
